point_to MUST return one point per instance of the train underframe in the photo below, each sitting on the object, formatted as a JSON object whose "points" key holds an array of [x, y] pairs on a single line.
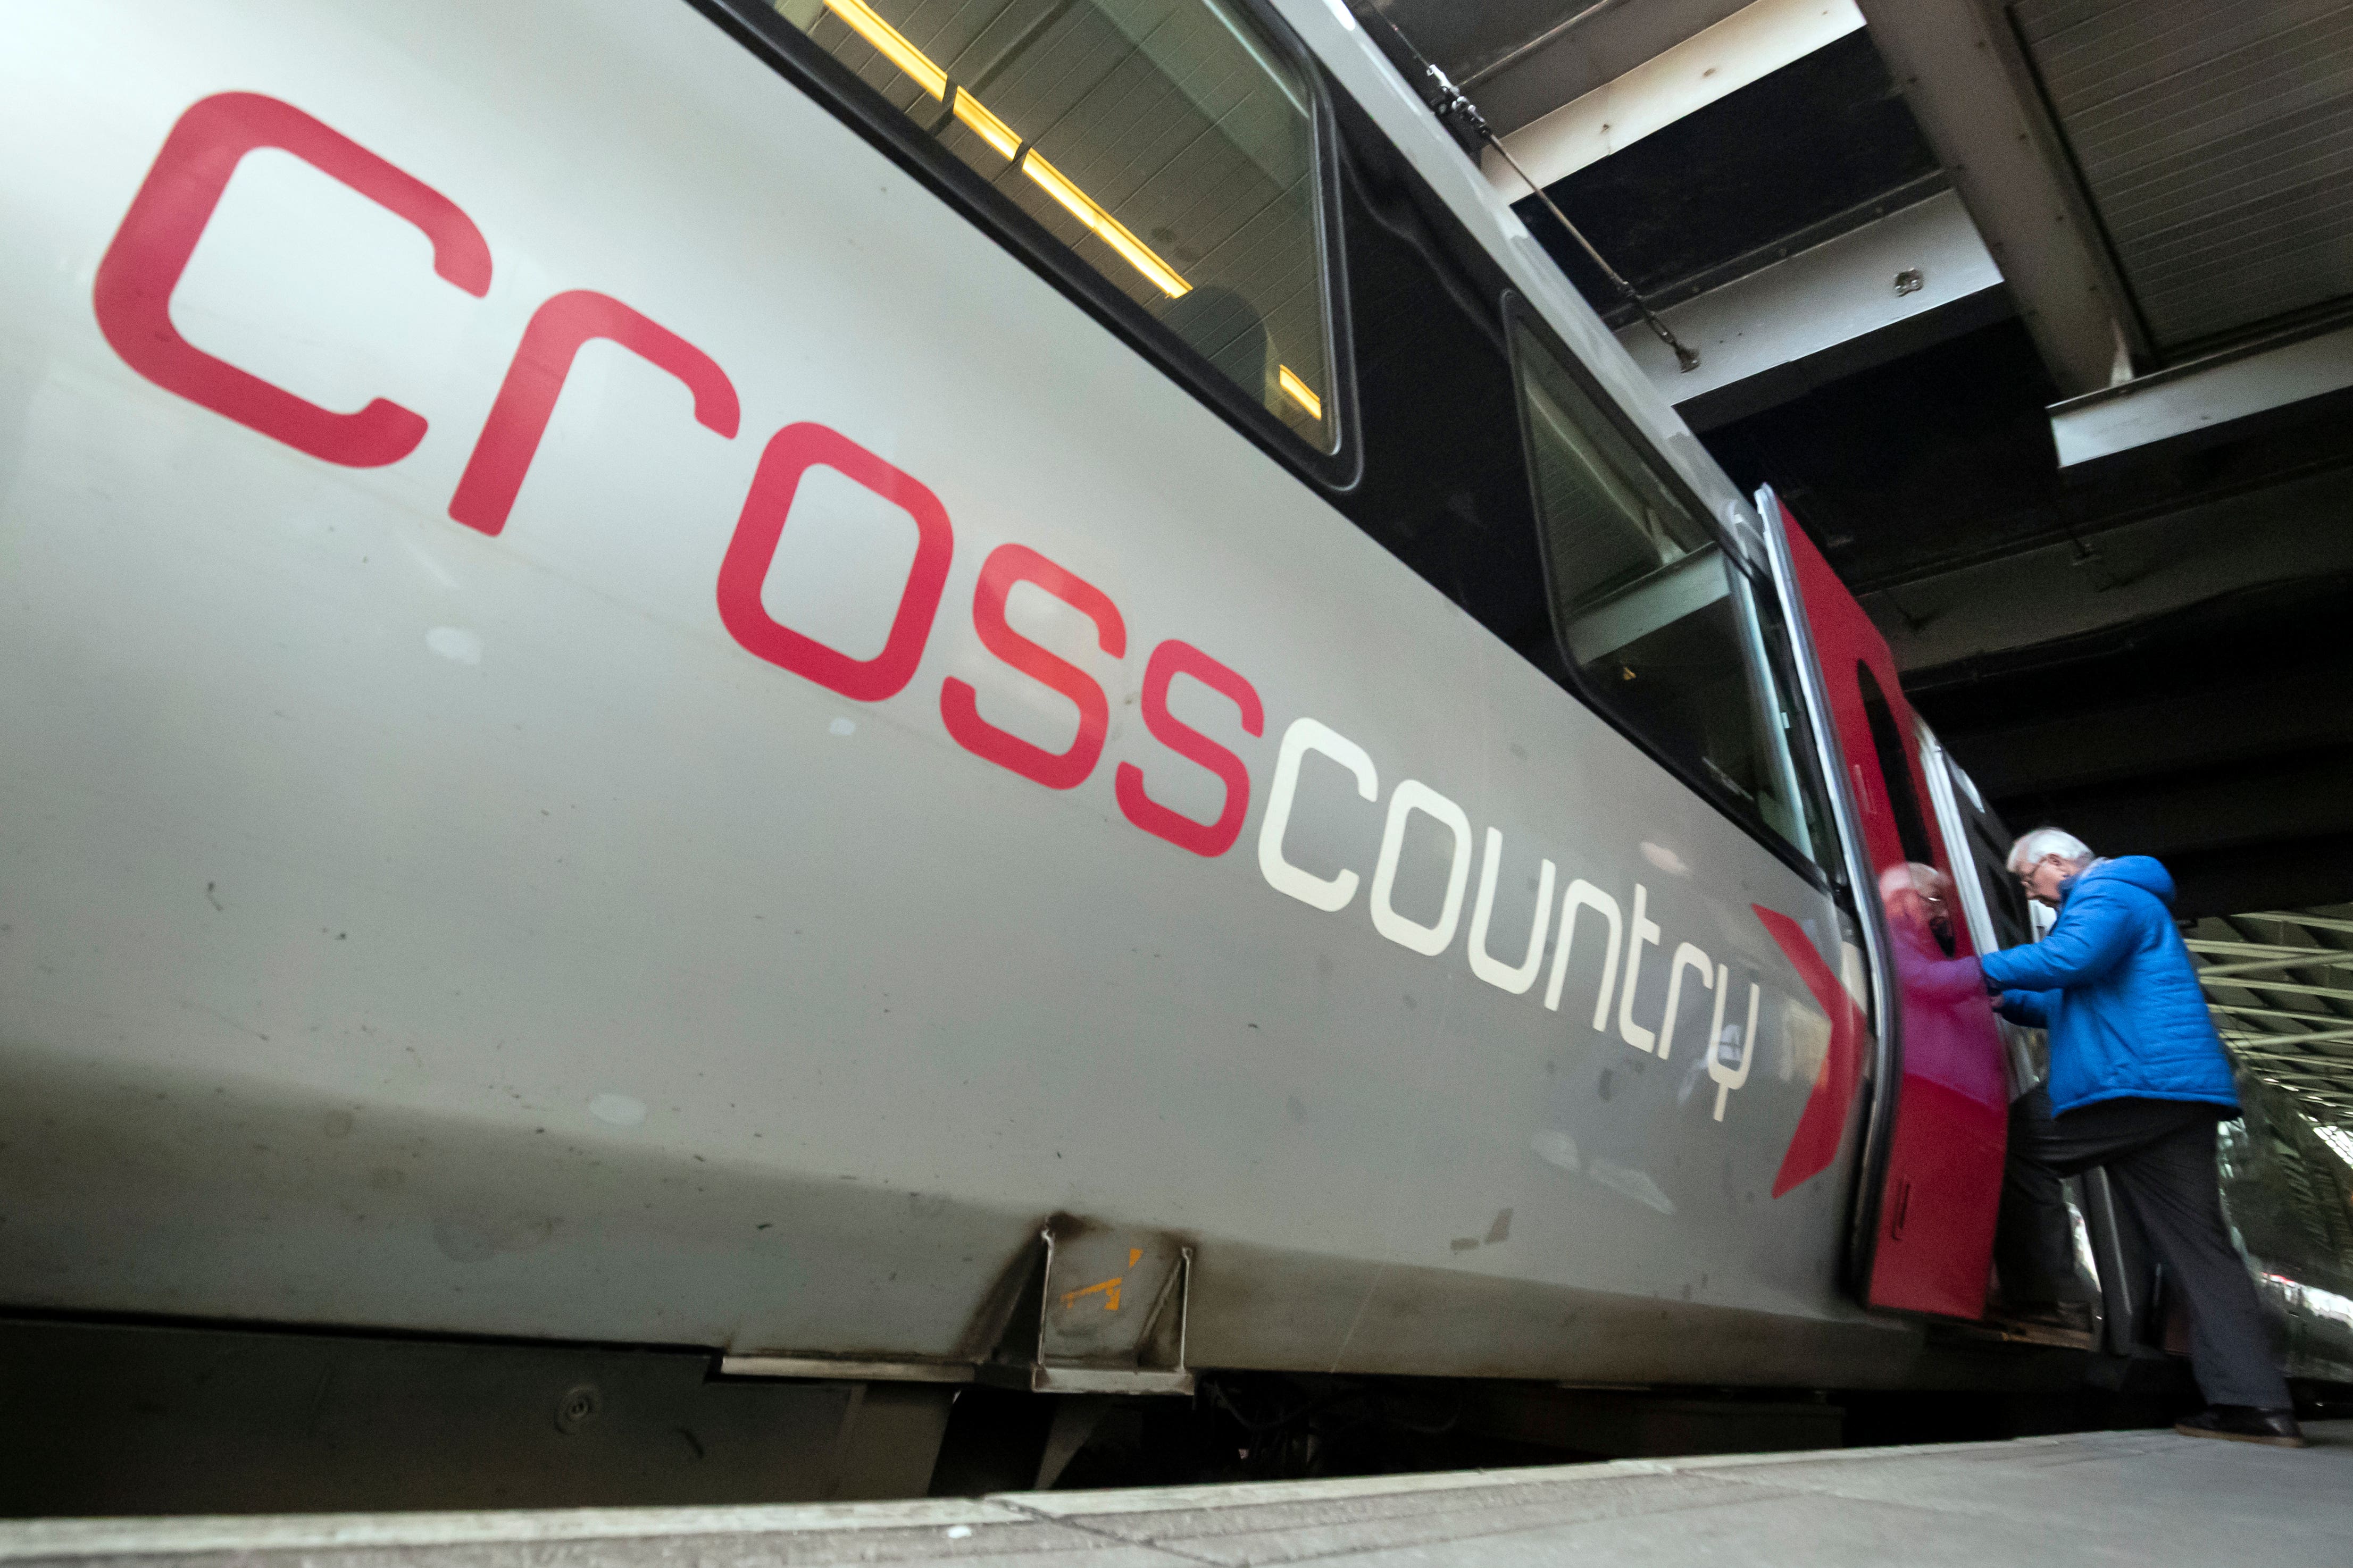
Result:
{"points": [[120, 1417]]}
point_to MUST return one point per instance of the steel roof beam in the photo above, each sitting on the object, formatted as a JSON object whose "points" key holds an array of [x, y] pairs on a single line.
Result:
{"points": [[2261, 949], [1893, 285], [2311, 922], [2334, 992], [2038, 592], [2333, 1101], [1973, 94], [2235, 1010], [2325, 1025], [2196, 399], [2309, 958], [2336, 1070], [1748, 45]]}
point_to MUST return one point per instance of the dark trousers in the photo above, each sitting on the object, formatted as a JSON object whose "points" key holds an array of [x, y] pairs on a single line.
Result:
{"points": [[2034, 1240], [2159, 1155]]}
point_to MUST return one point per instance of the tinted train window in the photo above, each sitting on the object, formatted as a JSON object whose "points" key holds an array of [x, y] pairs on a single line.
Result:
{"points": [[1988, 849], [1443, 489], [1664, 631], [1165, 142]]}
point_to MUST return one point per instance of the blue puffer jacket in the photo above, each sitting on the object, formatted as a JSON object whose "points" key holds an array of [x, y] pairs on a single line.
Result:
{"points": [[2115, 988]]}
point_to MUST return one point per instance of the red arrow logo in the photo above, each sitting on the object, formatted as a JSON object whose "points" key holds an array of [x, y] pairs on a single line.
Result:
{"points": [[1815, 1143]]}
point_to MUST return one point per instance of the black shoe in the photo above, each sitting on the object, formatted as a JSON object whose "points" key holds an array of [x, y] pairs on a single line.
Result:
{"points": [[2071, 1317], [2244, 1423]]}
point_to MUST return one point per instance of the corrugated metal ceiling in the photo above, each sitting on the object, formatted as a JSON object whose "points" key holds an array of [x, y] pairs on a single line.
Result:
{"points": [[2216, 140]]}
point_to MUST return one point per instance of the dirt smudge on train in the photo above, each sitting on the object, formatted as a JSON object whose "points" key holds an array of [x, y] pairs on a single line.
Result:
{"points": [[478, 1239]]}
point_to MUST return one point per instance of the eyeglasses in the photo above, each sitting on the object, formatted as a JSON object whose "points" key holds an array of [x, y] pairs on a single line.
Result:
{"points": [[2026, 878]]}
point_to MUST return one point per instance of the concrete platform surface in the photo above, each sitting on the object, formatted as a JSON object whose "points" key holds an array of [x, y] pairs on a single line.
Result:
{"points": [[2121, 1498]]}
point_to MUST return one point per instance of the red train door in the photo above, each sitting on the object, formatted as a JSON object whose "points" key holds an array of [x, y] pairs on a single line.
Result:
{"points": [[1934, 1240]]}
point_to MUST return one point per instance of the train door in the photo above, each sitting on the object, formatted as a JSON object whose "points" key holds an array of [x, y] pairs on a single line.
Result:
{"points": [[2071, 1249], [1940, 1125]]}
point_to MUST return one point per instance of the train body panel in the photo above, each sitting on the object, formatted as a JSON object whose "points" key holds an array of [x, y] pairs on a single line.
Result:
{"points": [[407, 924]]}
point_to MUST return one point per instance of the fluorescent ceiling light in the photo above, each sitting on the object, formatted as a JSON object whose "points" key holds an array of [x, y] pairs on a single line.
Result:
{"points": [[1748, 45], [894, 45], [1298, 391], [985, 125], [861, 20], [1112, 232]]}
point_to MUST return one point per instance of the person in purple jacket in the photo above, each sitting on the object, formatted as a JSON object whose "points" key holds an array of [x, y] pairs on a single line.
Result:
{"points": [[2137, 1082]]}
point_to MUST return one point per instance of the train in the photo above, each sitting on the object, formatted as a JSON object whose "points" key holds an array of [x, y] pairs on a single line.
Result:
{"points": [[747, 740]]}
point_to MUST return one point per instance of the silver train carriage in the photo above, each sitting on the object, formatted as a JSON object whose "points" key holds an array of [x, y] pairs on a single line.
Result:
{"points": [[926, 695]]}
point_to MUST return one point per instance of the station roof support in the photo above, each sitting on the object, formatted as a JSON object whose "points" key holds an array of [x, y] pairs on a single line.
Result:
{"points": [[1970, 88], [1752, 43], [2208, 395], [1863, 297]]}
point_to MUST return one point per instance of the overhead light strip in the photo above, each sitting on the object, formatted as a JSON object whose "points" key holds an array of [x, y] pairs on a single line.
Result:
{"points": [[1299, 391], [893, 45], [919, 67], [1109, 229], [985, 125]]}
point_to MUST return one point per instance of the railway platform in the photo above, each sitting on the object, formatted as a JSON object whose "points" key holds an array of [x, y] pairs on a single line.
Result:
{"points": [[2091, 1497]]}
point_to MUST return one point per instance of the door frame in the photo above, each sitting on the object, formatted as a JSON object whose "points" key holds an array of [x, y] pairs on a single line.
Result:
{"points": [[1883, 1062]]}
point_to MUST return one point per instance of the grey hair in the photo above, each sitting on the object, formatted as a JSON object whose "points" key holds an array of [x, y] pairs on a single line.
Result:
{"points": [[2032, 848]]}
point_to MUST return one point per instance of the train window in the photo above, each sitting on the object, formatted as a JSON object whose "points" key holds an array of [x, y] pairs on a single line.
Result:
{"points": [[1166, 142], [1442, 486], [1664, 631], [1989, 851]]}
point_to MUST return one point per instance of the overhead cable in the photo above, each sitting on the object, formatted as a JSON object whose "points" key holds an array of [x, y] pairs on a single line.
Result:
{"points": [[1453, 105]]}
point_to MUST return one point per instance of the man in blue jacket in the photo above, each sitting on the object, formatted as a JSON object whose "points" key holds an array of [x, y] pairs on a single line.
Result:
{"points": [[2137, 1082]]}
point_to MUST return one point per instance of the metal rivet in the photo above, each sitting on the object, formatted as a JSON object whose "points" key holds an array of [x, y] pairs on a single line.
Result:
{"points": [[578, 1407]]}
